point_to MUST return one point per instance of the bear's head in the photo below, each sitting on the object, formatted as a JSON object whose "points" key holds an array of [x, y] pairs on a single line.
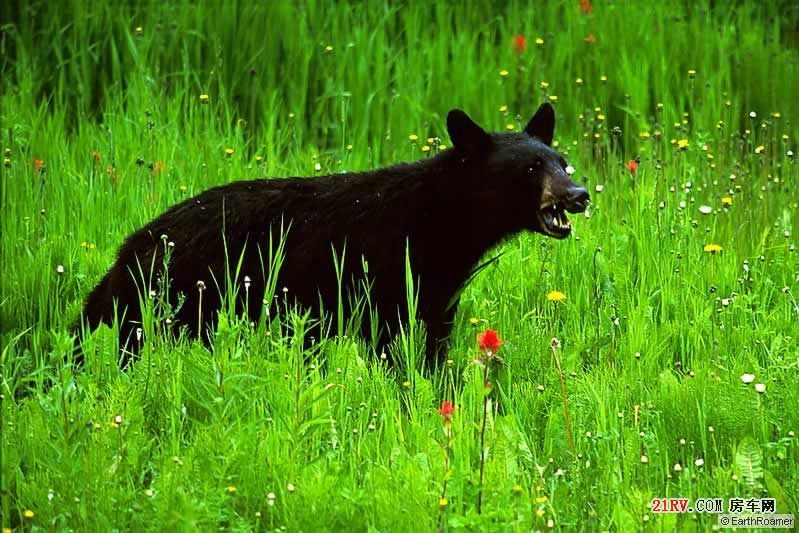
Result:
{"points": [[518, 174]]}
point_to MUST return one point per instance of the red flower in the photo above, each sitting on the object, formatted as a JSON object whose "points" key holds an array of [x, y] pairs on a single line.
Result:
{"points": [[158, 168], [632, 166], [446, 409], [520, 43], [489, 341], [590, 39], [38, 165], [585, 7]]}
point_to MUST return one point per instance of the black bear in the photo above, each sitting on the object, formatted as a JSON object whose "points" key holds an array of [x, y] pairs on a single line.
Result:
{"points": [[442, 213]]}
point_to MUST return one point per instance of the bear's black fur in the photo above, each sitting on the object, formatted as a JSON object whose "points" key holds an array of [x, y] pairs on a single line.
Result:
{"points": [[449, 210]]}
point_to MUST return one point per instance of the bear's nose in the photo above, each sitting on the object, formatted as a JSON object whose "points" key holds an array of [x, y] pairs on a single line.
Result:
{"points": [[577, 199]]}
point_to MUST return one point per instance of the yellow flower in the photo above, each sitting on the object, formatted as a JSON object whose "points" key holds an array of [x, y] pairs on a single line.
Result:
{"points": [[692, 73], [553, 98], [425, 148], [600, 118], [603, 78], [442, 146], [474, 320], [726, 201], [139, 30], [504, 73], [539, 513], [204, 98], [759, 149], [517, 489], [413, 137], [442, 503], [183, 188], [578, 81], [682, 144], [539, 41], [541, 499], [509, 126], [644, 134], [776, 114], [430, 140], [713, 248], [229, 152], [503, 109], [28, 514], [544, 84], [556, 296], [259, 159], [231, 489], [328, 49]]}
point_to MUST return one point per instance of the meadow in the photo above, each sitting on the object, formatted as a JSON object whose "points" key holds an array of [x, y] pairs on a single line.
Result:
{"points": [[674, 303]]}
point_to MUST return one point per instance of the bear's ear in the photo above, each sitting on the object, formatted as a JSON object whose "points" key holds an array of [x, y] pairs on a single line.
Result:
{"points": [[464, 132], [542, 125]]}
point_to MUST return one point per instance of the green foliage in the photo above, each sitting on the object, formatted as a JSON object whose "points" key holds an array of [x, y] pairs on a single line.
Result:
{"points": [[263, 432]]}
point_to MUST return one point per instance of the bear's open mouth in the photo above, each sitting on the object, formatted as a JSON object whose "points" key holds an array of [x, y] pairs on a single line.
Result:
{"points": [[556, 224]]}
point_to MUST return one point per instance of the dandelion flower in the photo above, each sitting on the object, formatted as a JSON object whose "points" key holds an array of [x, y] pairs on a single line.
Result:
{"points": [[712, 248], [473, 321], [503, 109], [578, 81], [553, 98], [556, 296], [139, 30], [425, 148], [503, 73], [682, 144], [692, 73], [539, 41], [544, 84], [229, 152], [28, 514], [328, 49], [726, 201], [603, 78], [413, 137], [442, 503]]}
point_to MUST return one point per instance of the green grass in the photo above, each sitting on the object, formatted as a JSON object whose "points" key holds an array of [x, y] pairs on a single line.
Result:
{"points": [[655, 332]]}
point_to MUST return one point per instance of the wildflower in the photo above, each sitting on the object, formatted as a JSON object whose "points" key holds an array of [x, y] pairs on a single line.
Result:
{"points": [[204, 98], [442, 503], [632, 166], [644, 459], [599, 188], [473, 321], [541, 500], [726, 201], [413, 137], [6, 162], [38, 165], [600, 117], [446, 410], [139, 31], [425, 148], [328, 49], [570, 170], [503, 73], [270, 498], [748, 378], [578, 81], [585, 7], [442, 147], [692, 73], [544, 84], [699, 462], [682, 144], [519, 43], [556, 296], [510, 127], [59, 269], [489, 341], [149, 493], [539, 41], [231, 489], [590, 39], [290, 487], [503, 109], [677, 467], [760, 387], [96, 156], [517, 489], [776, 114], [553, 98], [705, 209], [712, 248], [7, 152], [229, 152], [760, 149], [28, 514], [603, 78]]}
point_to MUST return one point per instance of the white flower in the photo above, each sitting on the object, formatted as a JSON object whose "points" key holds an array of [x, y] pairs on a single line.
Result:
{"points": [[699, 462], [760, 387], [60, 269], [705, 209], [752, 114], [748, 378], [677, 467], [570, 170], [599, 188], [644, 459]]}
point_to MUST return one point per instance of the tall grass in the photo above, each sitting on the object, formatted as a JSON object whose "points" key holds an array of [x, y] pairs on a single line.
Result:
{"points": [[655, 331]]}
